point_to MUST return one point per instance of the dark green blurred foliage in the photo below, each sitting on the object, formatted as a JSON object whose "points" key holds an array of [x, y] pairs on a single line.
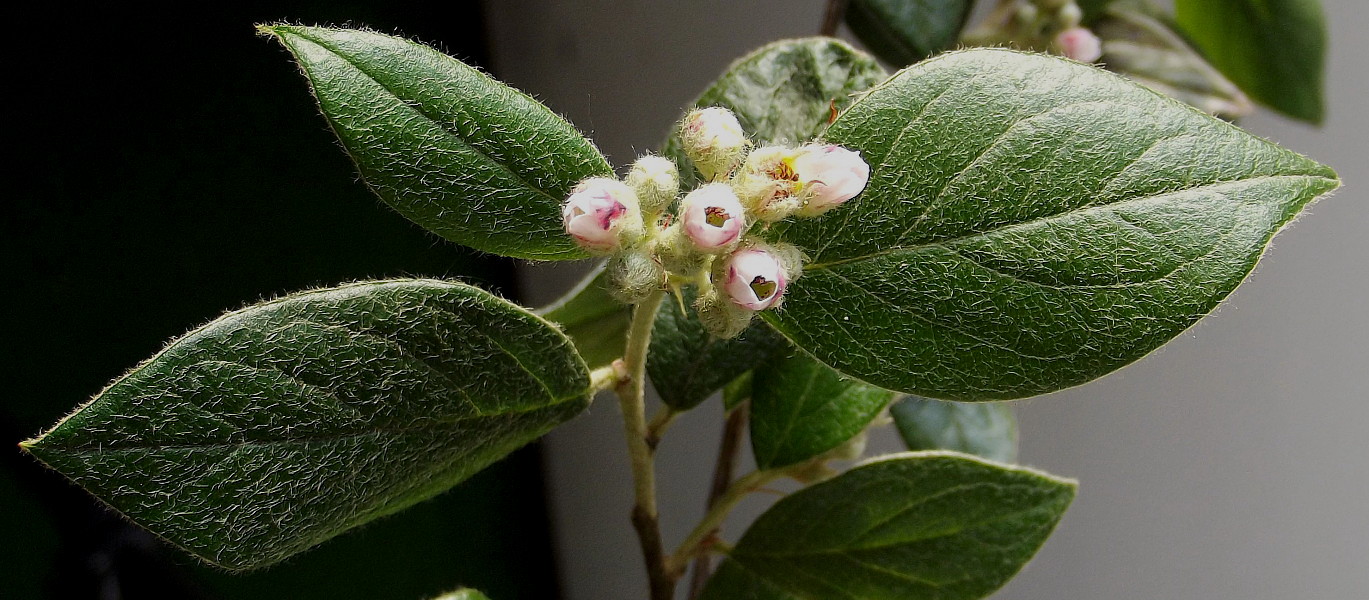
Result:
{"points": [[171, 166]]}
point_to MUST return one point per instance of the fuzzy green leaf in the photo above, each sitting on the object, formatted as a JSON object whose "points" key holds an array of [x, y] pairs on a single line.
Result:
{"points": [[595, 320], [455, 151], [687, 365], [903, 32], [801, 408], [785, 92], [1275, 50], [281, 425], [924, 525], [1030, 224], [986, 429]]}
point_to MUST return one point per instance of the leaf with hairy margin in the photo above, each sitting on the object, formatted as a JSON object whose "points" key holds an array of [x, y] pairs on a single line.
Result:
{"points": [[464, 156], [986, 429], [1030, 224], [278, 426], [913, 526], [801, 408]]}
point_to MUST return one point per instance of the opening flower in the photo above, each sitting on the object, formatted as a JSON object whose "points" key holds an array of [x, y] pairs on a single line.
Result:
{"points": [[753, 279], [713, 217], [828, 176], [601, 213]]}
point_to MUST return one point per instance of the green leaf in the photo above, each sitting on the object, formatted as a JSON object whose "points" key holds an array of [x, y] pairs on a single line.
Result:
{"points": [[455, 151], [902, 32], [1273, 49], [785, 92], [687, 365], [463, 594], [595, 320], [927, 525], [800, 409], [1030, 224], [731, 581], [1147, 51], [276, 427], [986, 429]]}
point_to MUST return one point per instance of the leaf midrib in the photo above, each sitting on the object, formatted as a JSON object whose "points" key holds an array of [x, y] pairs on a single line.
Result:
{"points": [[817, 266], [446, 424]]}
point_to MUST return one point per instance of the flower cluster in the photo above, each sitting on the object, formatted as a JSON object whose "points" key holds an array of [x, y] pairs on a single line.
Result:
{"points": [[709, 239]]}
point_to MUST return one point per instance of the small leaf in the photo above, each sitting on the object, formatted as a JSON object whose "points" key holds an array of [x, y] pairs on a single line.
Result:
{"points": [[1145, 50], [801, 408], [687, 365], [595, 320], [276, 427], [455, 151], [1030, 224], [902, 32], [986, 429], [1273, 49], [926, 525], [785, 92]]}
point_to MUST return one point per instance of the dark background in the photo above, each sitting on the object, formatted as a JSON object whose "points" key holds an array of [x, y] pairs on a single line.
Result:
{"points": [[171, 165]]}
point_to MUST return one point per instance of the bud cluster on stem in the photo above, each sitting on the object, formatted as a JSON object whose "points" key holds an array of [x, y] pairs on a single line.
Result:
{"points": [[709, 239], [1054, 26]]}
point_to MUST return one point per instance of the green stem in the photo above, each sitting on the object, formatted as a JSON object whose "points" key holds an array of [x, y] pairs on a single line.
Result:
{"points": [[693, 545], [630, 388]]}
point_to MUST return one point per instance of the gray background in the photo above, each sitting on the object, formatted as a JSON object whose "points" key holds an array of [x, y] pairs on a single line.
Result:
{"points": [[1232, 463]]}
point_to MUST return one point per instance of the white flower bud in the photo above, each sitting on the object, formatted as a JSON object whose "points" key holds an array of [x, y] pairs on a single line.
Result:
{"points": [[714, 140], [634, 275], [656, 181], [767, 183], [828, 176], [1080, 44], [753, 278], [713, 218], [602, 215], [720, 317]]}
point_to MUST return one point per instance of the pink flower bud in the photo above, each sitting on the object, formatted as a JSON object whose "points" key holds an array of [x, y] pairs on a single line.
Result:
{"points": [[600, 213], [713, 217], [828, 176], [714, 140], [753, 279], [1080, 44]]}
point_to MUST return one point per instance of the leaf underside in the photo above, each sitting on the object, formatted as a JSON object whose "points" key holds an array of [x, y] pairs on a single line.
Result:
{"points": [[278, 426], [986, 429], [1030, 224]]}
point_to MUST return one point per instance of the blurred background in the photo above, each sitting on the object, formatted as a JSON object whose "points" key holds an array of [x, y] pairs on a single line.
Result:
{"points": [[172, 166]]}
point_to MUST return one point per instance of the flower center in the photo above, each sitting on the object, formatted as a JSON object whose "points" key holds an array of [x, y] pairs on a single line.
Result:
{"points": [[716, 216], [763, 288]]}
